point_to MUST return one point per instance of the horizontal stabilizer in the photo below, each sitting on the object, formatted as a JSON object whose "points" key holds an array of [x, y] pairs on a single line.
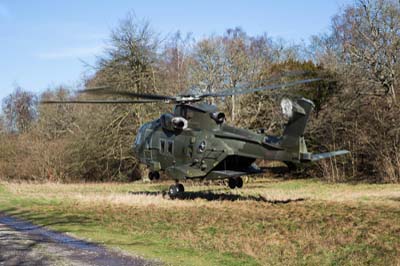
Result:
{"points": [[320, 156]]}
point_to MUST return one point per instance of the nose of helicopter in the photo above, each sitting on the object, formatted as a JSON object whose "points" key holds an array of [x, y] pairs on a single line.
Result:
{"points": [[140, 138]]}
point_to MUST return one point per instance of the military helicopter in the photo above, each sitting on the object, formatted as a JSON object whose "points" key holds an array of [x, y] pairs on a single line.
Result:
{"points": [[194, 142]]}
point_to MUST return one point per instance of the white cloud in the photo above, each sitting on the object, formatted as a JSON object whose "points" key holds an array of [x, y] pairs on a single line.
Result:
{"points": [[77, 52]]}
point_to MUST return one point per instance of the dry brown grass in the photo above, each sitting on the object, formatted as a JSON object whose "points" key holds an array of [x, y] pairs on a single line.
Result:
{"points": [[336, 223], [145, 194]]}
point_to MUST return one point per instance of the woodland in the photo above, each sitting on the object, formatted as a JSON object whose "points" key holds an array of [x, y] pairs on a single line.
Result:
{"points": [[356, 102]]}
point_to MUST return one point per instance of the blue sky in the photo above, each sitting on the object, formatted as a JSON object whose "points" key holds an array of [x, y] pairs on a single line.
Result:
{"points": [[43, 42]]}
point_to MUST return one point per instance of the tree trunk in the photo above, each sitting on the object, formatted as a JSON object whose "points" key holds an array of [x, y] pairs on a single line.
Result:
{"points": [[233, 108], [393, 93]]}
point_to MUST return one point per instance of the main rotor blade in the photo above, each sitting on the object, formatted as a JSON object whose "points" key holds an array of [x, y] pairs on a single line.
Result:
{"points": [[275, 77], [107, 91], [99, 102], [231, 92], [284, 75]]}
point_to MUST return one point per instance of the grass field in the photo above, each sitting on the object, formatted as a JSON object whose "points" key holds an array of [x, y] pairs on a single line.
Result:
{"points": [[268, 222]]}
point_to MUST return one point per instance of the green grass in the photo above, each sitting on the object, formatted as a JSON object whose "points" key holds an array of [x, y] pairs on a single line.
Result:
{"points": [[336, 224], [86, 223]]}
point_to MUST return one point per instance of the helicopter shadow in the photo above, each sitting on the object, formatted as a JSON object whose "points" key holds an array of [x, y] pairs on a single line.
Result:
{"points": [[212, 196]]}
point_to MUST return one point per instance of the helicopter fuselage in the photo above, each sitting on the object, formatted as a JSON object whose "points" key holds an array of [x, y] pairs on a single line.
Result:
{"points": [[198, 144], [195, 142]]}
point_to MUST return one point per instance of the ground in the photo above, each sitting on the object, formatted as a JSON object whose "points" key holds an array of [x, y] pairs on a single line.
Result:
{"points": [[268, 222], [25, 244]]}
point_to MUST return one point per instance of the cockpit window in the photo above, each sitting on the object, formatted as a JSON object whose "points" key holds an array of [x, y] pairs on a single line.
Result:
{"points": [[188, 113], [184, 111], [141, 133]]}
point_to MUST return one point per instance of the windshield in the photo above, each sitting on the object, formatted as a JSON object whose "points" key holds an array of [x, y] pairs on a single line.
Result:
{"points": [[141, 133]]}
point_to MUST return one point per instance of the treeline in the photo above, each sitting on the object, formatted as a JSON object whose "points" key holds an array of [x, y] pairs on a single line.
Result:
{"points": [[357, 104]]}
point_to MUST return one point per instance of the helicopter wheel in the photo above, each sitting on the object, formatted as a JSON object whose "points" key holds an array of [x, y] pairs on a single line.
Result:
{"points": [[154, 176], [151, 176], [239, 182], [181, 188], [291, 166], [232, 183], [235, 182], [173, 190]]}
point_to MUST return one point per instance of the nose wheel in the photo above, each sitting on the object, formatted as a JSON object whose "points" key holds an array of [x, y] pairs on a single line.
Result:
{"points": [[154, 176], [236, 182], [176, 189]]}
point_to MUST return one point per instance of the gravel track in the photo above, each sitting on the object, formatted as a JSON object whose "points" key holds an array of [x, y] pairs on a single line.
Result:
{"points": [[22, 243]]}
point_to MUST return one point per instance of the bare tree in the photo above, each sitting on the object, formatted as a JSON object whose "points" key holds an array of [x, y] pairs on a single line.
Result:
{"points": [[237, 61], [2, 124], [207, 65], [131, 63], [175, 60], [229, 61], [261, 57], [369, 35], [57, 121], [19, 110]]}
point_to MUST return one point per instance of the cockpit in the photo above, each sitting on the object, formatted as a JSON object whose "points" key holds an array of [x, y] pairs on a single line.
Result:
{"points": [[141, 135], [184, 111]]}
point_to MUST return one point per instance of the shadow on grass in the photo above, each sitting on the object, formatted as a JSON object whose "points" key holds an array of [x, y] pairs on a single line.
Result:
{"points": [[35, 225], [211, 196], [45, 220]]}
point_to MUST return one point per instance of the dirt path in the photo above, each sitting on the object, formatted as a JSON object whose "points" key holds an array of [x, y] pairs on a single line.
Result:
{"points": [[22, 243]]}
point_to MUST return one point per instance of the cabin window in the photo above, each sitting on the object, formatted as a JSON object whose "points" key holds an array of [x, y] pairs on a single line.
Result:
{"points": [[170, 146], [162, 145], [189, 114], [184, 111]]}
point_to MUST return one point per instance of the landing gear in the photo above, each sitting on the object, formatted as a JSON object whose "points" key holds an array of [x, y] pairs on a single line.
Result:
{"points": [[235, 182], [173, 190], [292, 167], [239, 182], [232, 183], [176, 189], [154, 175], [181, 188]]}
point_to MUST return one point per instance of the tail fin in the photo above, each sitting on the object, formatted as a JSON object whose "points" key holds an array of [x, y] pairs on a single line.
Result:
{"points": [[298, 112], [292, 139]]}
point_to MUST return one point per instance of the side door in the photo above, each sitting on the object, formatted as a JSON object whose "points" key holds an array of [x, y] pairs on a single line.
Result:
{"points": [[183, 148], [166, 149]]}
